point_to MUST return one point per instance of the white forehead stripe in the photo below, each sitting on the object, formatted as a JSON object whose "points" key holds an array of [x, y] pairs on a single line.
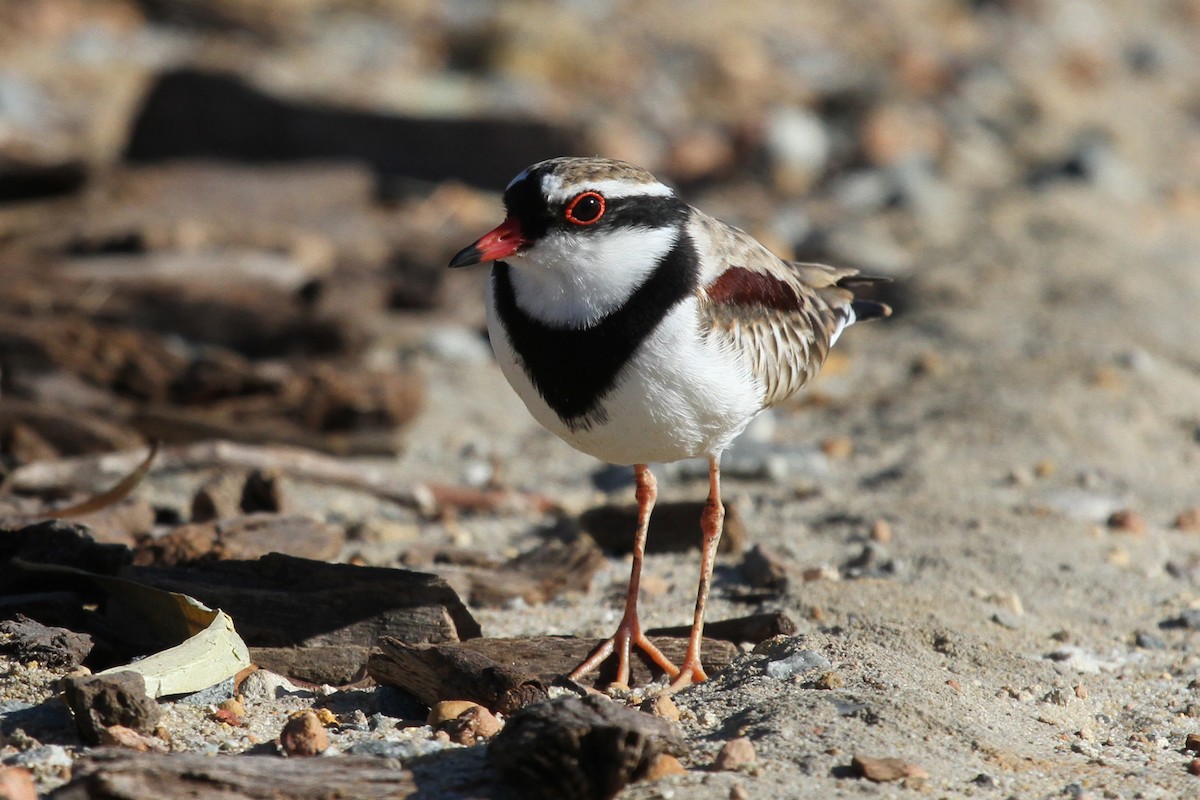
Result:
{"points": [[612, 189]]}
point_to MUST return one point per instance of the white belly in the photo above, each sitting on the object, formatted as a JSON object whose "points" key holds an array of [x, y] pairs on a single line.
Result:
{"points": [[681, 396]]}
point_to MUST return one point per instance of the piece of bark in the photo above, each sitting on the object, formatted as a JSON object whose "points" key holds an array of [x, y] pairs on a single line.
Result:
{"points": [[509, 673], [436, 673], [246, 538], [324, 666], [584, 748], [282, 601], [152, 776], [754, 628], [25, 640], [536, 576], [56, 542], [674, 527], [99, 701]]}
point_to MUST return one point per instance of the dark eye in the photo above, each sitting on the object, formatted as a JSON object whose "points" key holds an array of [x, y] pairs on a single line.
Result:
{"points": [[585, 209]]}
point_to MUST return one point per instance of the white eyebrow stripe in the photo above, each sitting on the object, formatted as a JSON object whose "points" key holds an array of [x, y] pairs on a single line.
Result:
{"points": [[611, 189]]}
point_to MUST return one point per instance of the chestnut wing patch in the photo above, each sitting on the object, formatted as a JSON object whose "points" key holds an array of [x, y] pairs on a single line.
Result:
{"points": [[738, 286]]}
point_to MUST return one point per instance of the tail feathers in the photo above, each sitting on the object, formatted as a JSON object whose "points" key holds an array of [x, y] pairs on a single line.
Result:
{"points": [[869, 309], [862, 308]]}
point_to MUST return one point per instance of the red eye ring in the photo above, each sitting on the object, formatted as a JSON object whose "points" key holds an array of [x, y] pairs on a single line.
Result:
{"points": [[592, 202]]}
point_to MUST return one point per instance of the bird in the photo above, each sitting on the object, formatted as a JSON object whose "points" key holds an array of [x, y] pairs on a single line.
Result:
{"points": [[641, 330]]}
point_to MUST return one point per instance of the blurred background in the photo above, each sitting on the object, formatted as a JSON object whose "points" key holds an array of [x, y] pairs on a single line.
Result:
{"points": [[230, 218]]}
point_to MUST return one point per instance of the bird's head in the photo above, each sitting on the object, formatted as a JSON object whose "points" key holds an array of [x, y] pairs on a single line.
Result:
{"points": [[589, 227]]}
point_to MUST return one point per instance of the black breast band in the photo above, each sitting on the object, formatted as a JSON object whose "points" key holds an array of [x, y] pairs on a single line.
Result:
{"points": [[574, 368]]}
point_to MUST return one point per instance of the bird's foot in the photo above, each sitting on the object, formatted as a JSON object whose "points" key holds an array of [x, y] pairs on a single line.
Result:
{"points": [[629, 635], [690, 672]]}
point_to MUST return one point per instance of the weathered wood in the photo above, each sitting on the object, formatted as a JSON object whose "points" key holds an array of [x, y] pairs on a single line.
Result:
{"points": [[754, 628], [536, 576], [506, 673], [583, 748], [674, 527], [433, 674], [113, 774], [243, 537], [333, 666], [281, 601]]}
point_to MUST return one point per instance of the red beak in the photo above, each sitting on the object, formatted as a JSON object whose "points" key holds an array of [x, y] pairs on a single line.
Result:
{"points": [[501, 242]]}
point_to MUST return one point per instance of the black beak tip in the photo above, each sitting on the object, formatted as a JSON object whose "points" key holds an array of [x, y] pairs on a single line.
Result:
{"points": [[465, 257]]}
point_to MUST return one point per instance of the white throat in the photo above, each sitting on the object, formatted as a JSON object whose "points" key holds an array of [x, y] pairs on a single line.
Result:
{"points": [[576, 279]]}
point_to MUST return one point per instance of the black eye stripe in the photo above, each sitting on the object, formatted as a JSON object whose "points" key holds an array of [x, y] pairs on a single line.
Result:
{"points": [[524, 201]]}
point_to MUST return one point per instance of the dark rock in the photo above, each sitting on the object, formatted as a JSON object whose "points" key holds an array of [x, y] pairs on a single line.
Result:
{"points": [[580, 748], [1188, 620], [764, 567], [98, 701], [29, 640]]}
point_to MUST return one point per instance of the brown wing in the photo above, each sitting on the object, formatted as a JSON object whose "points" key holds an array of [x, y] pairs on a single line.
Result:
{"points": [[781, 316]]}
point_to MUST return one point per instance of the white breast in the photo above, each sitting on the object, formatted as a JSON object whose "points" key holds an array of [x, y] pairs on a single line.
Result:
{"points": [[682, 395]]}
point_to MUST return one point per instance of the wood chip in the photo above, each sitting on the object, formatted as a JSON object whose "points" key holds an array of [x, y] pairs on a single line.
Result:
{"points": [[153, 776], [753, 629], [281, 601]]}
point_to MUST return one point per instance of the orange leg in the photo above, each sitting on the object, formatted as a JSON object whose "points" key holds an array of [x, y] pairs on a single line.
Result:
{"points": [[711, 522], [629, 632]]}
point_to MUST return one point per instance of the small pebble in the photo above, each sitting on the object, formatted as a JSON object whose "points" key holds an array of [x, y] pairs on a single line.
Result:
{"points": [[830, 680], [1192, 742], [472, 725], [1194, 767], [16, 783], [120, 736], [1127, 521], [448, 710], [1188, 520], [662, 766], [231, 712], [304, 735], [838, 447], [738, 792], [881, 531], [326, 717], [735, 754], [802, 661], [883, 770], [661, 706], [1148, 641]]}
